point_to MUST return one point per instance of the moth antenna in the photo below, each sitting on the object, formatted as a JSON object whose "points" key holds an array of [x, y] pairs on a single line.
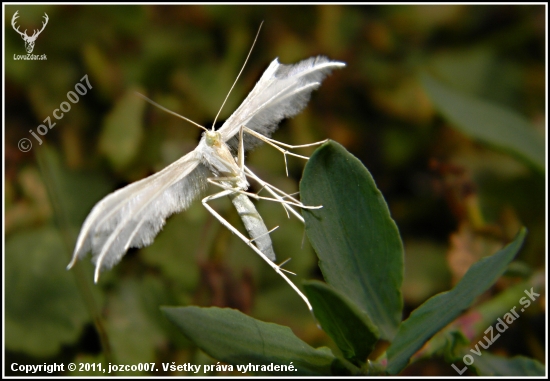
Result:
{"points": [[236, 79], [170, 111]]}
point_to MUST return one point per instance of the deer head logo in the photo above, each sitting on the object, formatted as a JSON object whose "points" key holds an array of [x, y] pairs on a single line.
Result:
{"points": [[29, 40]]}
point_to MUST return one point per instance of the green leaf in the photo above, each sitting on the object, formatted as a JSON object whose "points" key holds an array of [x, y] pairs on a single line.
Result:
{"points": [[350, 328], [443, 308], [488, 122], [234, 338], [492, 365], [123, 130], [44, 309], [450, 341], [357, 242]]}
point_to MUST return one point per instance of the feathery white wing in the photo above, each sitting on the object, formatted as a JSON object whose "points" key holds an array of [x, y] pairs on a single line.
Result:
{"points": [[282, 92], [132, 216]]}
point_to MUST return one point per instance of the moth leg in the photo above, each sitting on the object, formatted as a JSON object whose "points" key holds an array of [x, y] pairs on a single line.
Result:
{"points": [[266, 185], [219, 182], [273, 191], [235, 231], [266, 233], [248, 214], [281, 144], [285, 207], [284, 263], [277, 145], [280, 195]]}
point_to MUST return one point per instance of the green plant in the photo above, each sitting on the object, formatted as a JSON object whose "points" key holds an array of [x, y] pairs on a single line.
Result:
{"points": [[361, 257]]}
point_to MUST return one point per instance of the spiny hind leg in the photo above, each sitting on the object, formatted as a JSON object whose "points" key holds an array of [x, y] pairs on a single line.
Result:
{"points": [[278, 269]]}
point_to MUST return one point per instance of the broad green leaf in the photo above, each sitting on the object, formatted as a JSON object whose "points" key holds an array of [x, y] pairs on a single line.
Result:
{"points": [[488, 122], [123, 130], [357, 242], [492, 365], [350, 328], [43, 308], [234, 338], [443, 308]]}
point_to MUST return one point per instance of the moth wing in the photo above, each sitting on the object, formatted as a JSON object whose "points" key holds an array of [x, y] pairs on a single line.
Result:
{"points": [[132, 216], [282, 92]]}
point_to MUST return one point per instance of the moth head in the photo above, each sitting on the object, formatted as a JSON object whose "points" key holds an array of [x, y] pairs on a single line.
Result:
{"points": [[213, 138]]}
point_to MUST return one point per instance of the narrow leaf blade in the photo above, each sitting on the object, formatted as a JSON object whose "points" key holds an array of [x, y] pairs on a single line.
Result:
{"points": [[443, 308], [520, 366], [488, 122]]}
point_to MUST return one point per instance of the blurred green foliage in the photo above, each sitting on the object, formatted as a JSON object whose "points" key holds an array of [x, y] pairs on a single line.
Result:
{"points": [[454, 198]]}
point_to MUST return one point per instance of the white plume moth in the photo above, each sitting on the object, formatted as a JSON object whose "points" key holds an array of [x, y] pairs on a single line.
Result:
{"points": [[133, 216]]}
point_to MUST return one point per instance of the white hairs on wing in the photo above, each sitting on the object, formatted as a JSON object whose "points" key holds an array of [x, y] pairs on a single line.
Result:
{"points": [[133, 215], [282, 92]]}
